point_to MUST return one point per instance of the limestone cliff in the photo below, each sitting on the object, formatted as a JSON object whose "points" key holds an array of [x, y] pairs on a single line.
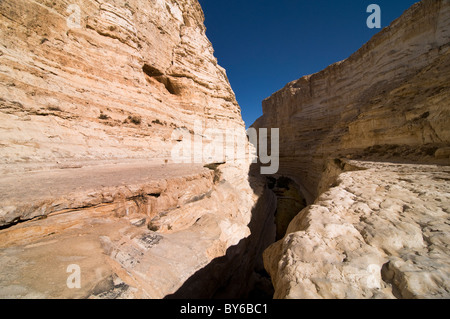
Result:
{"points": [[90, 97], [375, 229], [114, 88], [389, 99]]}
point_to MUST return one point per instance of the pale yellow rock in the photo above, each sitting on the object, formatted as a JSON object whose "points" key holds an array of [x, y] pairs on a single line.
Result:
{"points": [[387, 101], [87, 116], [374, 229], [115, 88], [381, 233]]}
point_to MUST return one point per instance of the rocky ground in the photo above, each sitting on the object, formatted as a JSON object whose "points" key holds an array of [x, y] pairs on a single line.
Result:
{"points": [[380, 232], [33, 194], [139, 230], [89, 115]]}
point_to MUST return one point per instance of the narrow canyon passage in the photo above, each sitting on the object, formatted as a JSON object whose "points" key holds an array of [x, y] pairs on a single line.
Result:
{"points": [[290, 201], [241, 273], [137, 217]]}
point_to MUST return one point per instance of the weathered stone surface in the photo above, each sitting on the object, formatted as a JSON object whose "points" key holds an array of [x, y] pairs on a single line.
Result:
{"points": [[374, 229], [86, 122], [381, 233], [144, 262], [113, 89], [132, 187], [387, 101]]}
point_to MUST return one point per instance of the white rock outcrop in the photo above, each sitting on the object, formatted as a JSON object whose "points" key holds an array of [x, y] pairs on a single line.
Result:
{"points": [[381, 233], [367, 139]]}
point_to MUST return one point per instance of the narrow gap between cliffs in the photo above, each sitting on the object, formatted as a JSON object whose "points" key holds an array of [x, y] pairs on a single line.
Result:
{"points": [[240, 274], [290, 201]]}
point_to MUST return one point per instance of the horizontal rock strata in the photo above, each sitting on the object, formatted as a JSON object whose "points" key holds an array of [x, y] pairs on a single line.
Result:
{"points": [[88, 109], [377, 225], [386, 101], [137, 247], [114, 88], [152, 189]]}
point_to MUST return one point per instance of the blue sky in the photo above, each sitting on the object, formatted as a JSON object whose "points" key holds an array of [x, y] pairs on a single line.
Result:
{"points": [[264, 44]]}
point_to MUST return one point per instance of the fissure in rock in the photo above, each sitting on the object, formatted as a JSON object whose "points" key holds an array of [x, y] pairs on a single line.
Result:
{"points": [[290, 201], [240, 273]]}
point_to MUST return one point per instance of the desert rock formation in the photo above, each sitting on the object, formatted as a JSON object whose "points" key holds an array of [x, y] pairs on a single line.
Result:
{"points": [[388, 98], [87, 116], [88, 111], [115, 88], [382, 232], [367, 139]]}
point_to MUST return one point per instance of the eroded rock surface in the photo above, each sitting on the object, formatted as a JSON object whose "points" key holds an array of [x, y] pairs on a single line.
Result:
{"points": [[152, 188], [381, 233], [378, 225], [115, 88], [387, 101], [87, 120], [138, 247]]}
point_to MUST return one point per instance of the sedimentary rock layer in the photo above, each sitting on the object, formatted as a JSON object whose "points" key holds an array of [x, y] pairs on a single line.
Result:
{"points": [[145, 246], [387, 100], [381, 233], [375, 229], [88, 109], [115, 87]]}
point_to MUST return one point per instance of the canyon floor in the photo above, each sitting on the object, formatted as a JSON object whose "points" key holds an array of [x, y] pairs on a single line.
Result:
{"points": [[37, 184], [380, 231]]}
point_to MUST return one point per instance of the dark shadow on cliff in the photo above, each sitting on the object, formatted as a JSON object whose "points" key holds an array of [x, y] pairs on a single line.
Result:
{"points": [[427, 154], [240, 273]]}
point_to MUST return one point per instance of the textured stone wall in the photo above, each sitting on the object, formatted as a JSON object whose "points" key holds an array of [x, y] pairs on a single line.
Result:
{"points": [[116, 87], [87, 116], [363, 138], [387, 100]]}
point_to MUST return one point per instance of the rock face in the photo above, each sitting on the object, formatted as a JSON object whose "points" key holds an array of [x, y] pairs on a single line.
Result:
{"points": [[381, 233], [375, 229], [115, 88], [389, 99], [88, 109]]}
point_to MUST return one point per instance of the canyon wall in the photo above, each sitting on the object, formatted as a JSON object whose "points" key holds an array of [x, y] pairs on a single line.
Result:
{"points": [[368, 140], [114, 88], [91, 95], [387, 100]]}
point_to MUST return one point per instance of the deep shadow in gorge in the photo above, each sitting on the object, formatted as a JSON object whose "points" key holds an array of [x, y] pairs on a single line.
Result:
{"points": [[240, 273], [290, 201]]}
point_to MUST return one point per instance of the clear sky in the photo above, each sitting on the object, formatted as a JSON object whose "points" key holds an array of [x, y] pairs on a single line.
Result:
{"points": [[264, 44]]}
